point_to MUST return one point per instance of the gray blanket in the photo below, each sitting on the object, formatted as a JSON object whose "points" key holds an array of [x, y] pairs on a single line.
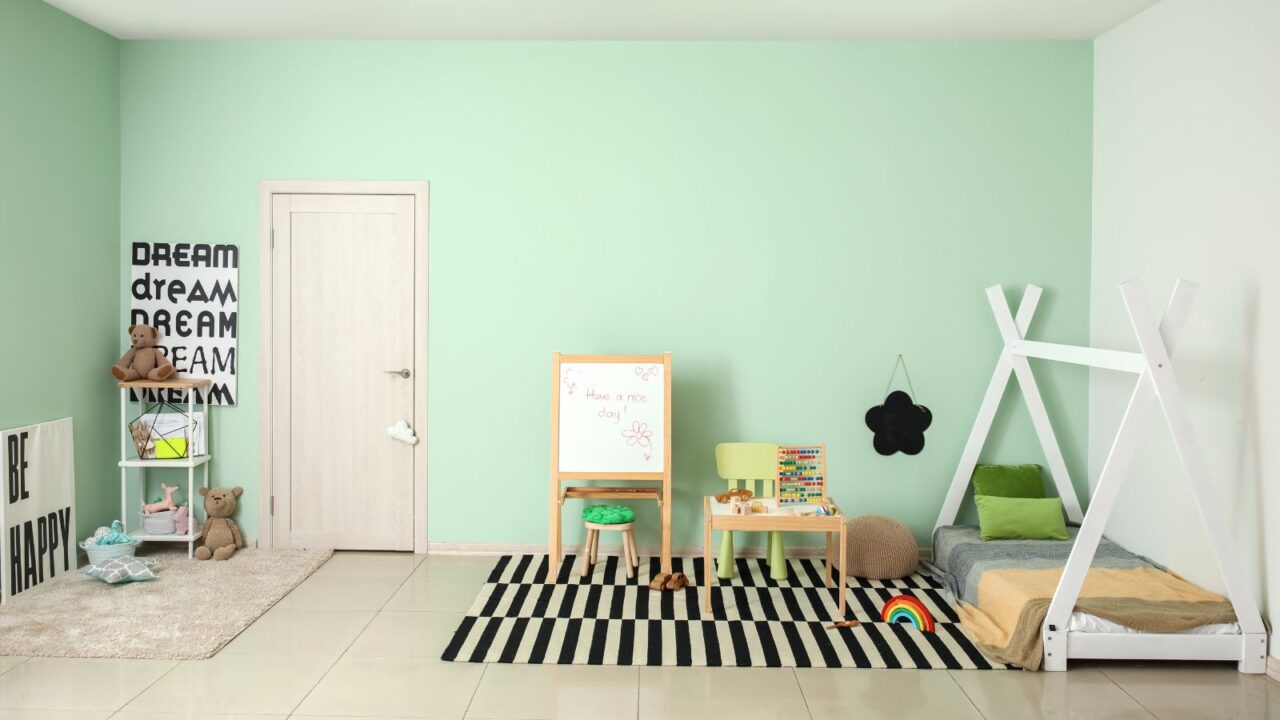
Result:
{"points": [[960, 557]]}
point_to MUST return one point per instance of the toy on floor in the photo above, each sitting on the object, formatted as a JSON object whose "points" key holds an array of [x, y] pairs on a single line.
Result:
{"points": [[162, 505], [221, 536], [674, 581], [182, 520], [143, 361], [909, 608]]}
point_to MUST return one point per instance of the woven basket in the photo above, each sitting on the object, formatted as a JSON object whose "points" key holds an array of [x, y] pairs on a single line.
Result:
{"points": [[160, 523], [98, 553]]}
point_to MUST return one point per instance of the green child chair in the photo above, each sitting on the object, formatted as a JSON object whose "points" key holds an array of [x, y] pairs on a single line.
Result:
{"points": [[747, 463]]}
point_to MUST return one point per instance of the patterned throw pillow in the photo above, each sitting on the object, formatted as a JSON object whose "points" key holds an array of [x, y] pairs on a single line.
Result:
{"points": [[122, 570]]}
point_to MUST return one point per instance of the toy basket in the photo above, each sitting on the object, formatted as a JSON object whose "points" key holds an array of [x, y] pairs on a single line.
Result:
{"points": [[160, 523], [98, 553]]}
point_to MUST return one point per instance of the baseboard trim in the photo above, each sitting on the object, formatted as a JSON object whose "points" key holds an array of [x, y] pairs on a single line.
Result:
{"points": [[463, 548], [1273, 668], [451, 548]]}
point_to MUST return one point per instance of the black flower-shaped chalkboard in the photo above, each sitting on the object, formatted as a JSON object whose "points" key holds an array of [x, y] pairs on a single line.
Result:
{"points": [[899, 425]]}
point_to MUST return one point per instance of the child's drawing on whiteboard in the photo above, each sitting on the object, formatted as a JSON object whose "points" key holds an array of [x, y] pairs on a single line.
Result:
{"points": [[647, 372], [570, 379], [639, 435]]}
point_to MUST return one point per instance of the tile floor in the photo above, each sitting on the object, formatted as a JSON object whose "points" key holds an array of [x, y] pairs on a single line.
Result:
{"points": [[361, 638]]}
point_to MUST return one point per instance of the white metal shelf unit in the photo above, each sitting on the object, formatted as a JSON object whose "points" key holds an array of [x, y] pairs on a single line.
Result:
{"points": [[151, 396]]}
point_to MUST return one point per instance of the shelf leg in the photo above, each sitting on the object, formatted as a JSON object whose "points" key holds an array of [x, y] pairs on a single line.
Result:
{"points": [[125, 438], [191, 492]]}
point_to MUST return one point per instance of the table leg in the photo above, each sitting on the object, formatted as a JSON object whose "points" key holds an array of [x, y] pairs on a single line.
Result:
{"points": [[708, 571], [828, 556], [844, 579]]}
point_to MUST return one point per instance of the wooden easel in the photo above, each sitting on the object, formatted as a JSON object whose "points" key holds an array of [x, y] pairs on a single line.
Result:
{"points": [[661, 495]]}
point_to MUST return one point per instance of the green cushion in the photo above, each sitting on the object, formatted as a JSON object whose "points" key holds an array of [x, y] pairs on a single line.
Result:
{"points": [[1004, 518], [1012, 481], [608, 514]]}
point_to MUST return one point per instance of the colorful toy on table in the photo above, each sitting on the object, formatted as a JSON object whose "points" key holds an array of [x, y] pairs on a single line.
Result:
{"points": [[736, 493], [909, 608], [162, 505], [802, 473]]}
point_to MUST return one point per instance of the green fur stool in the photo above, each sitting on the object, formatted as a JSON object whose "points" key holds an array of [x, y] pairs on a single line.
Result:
{"points": [[615, 518]]}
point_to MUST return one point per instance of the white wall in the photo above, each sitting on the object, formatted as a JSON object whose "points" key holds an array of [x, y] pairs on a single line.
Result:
{"points": [[1187, 183]]}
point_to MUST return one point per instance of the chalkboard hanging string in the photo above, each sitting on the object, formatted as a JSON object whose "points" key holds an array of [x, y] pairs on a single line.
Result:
{"points": [[889, 386]]}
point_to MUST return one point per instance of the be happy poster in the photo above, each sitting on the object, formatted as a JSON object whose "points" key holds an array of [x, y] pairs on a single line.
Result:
{"points": [[37, 505]]}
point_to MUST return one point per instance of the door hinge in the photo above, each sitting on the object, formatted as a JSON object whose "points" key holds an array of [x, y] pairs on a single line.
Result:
{"points": [[273, 504]]}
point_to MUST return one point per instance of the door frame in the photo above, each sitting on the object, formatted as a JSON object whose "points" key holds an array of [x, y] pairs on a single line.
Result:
{"points": [[266, 484]]}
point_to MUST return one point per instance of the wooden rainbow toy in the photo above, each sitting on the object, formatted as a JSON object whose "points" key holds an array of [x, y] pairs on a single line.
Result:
{"points": [[906, 607]]}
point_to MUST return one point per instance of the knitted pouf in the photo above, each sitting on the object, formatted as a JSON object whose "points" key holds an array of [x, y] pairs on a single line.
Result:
{"points": [[608, 514], [881, 548]]}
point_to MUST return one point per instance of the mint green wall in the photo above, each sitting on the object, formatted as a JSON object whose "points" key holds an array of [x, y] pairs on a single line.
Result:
{"points": [[635, 198], [59, 237]]}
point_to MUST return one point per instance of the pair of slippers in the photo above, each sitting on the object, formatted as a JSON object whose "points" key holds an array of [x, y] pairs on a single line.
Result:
{"points": [[663, 581]]}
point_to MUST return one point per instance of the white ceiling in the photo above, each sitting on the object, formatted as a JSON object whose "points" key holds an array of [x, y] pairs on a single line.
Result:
{"points": [[605, 19]]}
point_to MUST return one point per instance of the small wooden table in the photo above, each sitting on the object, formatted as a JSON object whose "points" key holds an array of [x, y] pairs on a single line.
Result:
{"points": [[717, 516]]}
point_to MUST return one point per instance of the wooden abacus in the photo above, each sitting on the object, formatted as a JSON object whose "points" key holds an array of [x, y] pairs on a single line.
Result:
{"points": [[802, 474]]}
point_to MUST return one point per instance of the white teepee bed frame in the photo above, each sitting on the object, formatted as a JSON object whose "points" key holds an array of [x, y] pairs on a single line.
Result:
{"points": [[1156, 382]]}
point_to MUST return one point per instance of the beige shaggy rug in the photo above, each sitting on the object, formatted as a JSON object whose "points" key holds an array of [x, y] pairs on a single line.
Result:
{"points": [[189, 612]]}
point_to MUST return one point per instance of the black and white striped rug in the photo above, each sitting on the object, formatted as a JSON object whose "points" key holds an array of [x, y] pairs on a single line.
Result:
{"points": [[756, 621]]}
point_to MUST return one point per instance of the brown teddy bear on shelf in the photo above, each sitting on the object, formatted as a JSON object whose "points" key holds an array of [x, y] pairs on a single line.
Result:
{"points": [[143, 361], [221, 537]]}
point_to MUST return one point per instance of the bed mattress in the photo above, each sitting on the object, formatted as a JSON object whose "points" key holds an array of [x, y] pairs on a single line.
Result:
{"points": [[961, 560]]}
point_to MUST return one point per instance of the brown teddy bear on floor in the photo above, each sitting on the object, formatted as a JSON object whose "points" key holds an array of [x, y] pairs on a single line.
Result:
{"points": [[221, 536], [143, 361]]}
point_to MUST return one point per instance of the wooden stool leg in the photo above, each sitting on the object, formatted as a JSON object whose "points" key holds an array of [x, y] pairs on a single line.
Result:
{"points": [[627, 554], [586, 553], [595, 545], [635, 554]]}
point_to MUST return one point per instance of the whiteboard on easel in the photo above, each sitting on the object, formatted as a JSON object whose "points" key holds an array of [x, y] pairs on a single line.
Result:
{"points": [[612, 417]]}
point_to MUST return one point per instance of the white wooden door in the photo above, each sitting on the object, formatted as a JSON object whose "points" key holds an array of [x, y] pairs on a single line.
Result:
{"points": [[343, 353]]}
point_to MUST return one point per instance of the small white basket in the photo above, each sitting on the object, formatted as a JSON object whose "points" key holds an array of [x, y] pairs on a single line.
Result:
{"points": [[98, 553], [160, 523]]}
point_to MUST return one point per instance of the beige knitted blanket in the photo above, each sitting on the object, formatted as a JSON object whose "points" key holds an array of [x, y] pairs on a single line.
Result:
{"points": [[1012, 604]]}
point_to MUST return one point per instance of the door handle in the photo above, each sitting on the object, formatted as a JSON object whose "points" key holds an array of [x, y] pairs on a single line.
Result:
{"points": [[402, 373]]}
